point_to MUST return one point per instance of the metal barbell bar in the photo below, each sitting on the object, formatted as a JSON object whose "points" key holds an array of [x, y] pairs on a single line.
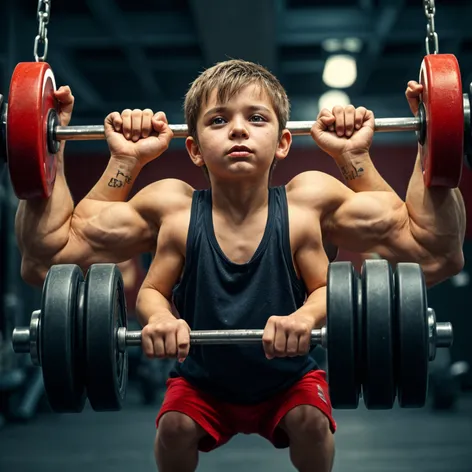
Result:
{"points": [[297, 128]]}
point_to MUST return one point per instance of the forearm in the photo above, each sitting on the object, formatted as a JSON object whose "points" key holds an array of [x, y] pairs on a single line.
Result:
{"points": [[437, 216], [360, 175], [314, 307], [42, 225], [152, 305], [116, 182]]}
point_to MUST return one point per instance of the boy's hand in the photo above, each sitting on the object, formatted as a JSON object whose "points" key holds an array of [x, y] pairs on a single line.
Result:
{"points": [[65, 99], [139, 134], [166, 337], [287, 336], [413, 93], [344, 131]]}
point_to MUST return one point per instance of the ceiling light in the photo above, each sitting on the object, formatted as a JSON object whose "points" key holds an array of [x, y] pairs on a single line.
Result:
{"points": [[340, 71]]}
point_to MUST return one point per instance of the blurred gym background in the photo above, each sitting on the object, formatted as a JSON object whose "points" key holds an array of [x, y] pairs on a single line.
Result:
{"points": [[118, 54]]}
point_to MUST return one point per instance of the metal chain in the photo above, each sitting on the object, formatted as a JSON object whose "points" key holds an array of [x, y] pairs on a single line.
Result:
{"points": [[44, 10], [432, 40]]}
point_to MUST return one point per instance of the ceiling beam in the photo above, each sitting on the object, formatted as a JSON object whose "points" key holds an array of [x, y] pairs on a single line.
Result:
{"points": [[110, 16], [386, 19], [81, 88], [245, 30]]}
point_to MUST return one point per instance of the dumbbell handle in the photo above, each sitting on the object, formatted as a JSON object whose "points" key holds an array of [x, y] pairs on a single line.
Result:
{"points": [[236, 336], [24, 339], [297, 128]]}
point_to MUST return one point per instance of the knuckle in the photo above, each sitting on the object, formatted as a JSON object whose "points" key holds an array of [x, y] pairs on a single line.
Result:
{"points": [[126, 113]]}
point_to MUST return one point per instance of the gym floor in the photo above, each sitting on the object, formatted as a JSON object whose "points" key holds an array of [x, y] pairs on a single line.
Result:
{"points": [[378, 441]]}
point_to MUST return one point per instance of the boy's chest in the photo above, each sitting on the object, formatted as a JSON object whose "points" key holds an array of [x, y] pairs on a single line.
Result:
{"points": [[239, 242]]}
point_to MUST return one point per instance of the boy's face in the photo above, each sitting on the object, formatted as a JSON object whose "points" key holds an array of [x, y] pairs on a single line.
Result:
{"points": [[239, 138]]}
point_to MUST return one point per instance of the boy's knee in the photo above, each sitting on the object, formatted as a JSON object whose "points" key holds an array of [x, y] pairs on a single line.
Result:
{"points": [[306, 423], [178, 431]]}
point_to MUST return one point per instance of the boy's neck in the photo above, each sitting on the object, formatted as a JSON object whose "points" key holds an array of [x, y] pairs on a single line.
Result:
{"points": [[239, 200]]}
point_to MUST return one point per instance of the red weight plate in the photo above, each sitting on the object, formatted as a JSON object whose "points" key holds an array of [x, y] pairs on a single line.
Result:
{"points": [[32, 167], [443, 151]]}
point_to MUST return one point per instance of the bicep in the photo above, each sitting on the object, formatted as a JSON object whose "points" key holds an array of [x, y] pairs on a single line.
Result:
{"points": [[375, 222], [113, 232], [116, 232]]}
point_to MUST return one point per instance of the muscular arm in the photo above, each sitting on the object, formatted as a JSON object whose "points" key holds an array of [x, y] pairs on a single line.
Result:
{"points": [[380, 222], [102, 228], [437, 215]]}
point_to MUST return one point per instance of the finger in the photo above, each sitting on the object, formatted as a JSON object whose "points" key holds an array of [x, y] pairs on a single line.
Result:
{"points": [[349, 120], [414, 87], [146, 123], [161, 116], [113, 122], [280, 342], [147, 346], [126, 117], [183, 342], [369, 119], [304, 343], [117, 121], [268, 337], [136, 124], [324, 113], [338, 113], [292, 344], [159, 346], [359, 117], [171, 343], [65, 99], [328, 121]]}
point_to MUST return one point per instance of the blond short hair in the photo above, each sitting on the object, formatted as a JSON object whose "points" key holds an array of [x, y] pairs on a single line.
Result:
{"points": [[229, 78]]}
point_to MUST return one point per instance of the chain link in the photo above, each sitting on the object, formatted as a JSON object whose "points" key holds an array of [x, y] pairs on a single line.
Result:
{"points": [[432, 39], [44, 11]]}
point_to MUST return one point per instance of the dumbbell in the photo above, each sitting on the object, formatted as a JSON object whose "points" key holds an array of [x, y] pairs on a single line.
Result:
{"points": [[380, 336]]}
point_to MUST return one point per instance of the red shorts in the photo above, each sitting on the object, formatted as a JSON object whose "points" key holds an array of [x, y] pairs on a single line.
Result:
{"points": [[223, 420]]}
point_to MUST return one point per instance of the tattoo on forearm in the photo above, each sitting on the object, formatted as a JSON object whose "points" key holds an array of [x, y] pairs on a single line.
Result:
{"points": [[350, 172], [119, 180]]}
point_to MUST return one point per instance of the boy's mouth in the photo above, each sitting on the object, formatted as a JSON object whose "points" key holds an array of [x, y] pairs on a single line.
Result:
{"points": [[239, 151]]}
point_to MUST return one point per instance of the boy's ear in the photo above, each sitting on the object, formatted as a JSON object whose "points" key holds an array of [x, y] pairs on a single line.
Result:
{"points": [[283, 146], [193, 150]]}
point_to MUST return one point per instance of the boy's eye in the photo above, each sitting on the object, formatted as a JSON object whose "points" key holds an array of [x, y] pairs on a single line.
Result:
{"points": [[258, 118], [217, 121]]}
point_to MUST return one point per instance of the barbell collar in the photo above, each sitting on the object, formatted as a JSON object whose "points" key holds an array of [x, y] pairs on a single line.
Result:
{"points": [[444, 335], [216, 337], [297, 128], [21, 340]]}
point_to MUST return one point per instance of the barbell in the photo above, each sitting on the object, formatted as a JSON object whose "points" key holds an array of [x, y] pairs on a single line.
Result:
{"points": [[30, 134], [380, 336]]}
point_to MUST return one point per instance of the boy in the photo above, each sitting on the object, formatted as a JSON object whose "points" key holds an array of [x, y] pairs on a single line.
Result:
{"points": [[241, 255]]}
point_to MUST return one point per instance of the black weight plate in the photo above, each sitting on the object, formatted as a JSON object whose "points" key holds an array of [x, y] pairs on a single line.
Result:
{"points": [[412, 347], [378, 383], [105, 311], [467, 131], [60, 353], [342, 335]]}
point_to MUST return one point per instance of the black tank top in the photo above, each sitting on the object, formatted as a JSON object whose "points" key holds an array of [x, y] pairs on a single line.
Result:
{"points": [[215, 293]]}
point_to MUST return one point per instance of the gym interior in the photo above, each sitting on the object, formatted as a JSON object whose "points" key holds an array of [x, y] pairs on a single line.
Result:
{"points": [[117, 54]]}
